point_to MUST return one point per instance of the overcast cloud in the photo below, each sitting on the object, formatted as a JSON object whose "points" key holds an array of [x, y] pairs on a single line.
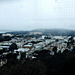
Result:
{"points": [[34, 14]]}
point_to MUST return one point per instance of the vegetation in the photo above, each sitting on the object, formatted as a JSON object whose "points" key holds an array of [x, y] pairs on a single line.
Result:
{"points": [[5, 38], [13, 46], [44, 64]]}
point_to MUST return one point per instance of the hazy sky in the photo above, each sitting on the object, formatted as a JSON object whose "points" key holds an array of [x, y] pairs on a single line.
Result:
{"points": [[34, 14]]}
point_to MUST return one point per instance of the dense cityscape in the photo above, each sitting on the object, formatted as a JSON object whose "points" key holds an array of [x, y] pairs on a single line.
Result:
{"points": [[37, 37], [36, 53]]}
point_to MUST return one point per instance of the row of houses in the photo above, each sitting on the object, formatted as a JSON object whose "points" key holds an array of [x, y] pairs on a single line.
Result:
{"points": [[28, 47]]}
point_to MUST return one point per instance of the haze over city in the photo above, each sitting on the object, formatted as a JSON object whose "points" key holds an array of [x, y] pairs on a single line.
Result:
{"points": [[37, 14], [37, 37]]}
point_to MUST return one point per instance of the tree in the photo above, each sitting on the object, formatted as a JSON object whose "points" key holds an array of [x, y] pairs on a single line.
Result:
{"points": [[28, 68], [7, 38], [23, 55], [55, 50], [13, 46]]}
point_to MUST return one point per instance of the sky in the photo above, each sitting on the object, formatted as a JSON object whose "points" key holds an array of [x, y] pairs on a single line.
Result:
{"points": [[37, 14]]}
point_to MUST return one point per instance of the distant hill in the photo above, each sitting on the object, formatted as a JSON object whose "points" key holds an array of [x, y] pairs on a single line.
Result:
{"points": [[56, 31], [19, 32], [62, 32]]}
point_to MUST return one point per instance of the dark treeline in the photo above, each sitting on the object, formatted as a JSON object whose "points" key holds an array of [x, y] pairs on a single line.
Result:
{"points": [[18, 32], [44, 64], [5, 38]]}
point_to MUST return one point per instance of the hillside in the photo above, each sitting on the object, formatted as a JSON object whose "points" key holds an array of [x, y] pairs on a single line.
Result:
{"points": [[62, 32]]}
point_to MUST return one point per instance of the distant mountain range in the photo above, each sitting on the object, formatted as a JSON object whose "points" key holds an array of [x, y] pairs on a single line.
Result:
{"points": [[61, 32]]}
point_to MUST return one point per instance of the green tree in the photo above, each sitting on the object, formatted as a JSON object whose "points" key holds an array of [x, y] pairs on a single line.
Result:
{"points": [[13, 46]]}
